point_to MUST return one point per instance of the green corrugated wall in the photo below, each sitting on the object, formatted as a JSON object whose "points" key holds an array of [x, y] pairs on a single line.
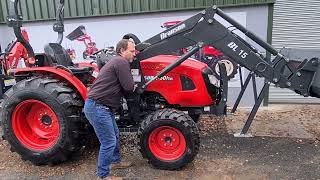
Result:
{"points": [[33, 10]]}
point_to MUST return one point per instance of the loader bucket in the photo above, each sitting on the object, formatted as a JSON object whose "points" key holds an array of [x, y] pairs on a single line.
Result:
{"points": [[315, 85], [78, 32], [297, 56]]}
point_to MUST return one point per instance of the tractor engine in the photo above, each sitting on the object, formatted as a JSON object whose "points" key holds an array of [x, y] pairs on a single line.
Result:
{"points": [[176, 90], [179, 87]]}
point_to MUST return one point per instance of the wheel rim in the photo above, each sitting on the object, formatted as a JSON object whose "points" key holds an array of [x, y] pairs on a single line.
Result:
{"points": [[35, 125], [167, 143], [229, 67]]}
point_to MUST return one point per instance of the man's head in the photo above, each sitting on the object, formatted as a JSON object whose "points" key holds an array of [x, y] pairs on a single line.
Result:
{"points": [[126, 49]]}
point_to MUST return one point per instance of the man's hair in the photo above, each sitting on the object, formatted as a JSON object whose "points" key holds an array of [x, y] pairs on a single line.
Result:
{"points": [[122, 44]]}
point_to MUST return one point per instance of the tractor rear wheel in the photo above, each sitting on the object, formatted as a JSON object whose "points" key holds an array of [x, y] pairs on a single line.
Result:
{"points": [[41, 120], [169, 139]]}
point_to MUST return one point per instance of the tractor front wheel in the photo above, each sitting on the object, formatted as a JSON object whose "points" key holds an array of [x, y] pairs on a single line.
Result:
{"points": [[169, 139], [41, 120]]}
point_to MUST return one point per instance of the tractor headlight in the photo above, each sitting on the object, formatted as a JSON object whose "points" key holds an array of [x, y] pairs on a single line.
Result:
{"points": [[213, 80]]}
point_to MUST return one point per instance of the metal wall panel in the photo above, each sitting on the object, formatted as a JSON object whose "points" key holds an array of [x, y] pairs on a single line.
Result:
{"points": [[51, 8], [189, 3], [136, 5], [283, 96], [34, 10], [1, 12], [4, 9], [295, 25], [44, 9]]}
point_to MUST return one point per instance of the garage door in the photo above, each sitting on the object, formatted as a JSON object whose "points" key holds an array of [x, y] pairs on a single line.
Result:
{"points": [[296, 24]]}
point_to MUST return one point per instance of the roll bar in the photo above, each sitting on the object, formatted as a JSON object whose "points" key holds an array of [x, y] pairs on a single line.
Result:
{"points": [[14, 20], [59, 25]]}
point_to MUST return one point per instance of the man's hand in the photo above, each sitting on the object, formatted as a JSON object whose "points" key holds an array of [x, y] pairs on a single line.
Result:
{"points": [[138, 89]]}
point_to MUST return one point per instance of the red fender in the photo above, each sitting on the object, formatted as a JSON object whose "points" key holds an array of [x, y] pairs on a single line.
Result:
{"points": [[59, 74]]}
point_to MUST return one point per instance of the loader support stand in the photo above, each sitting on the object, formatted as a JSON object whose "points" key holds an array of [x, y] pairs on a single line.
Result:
{"points": [[253, 112], [254, 86], [243, 89], [240, 74], [221, 108]]}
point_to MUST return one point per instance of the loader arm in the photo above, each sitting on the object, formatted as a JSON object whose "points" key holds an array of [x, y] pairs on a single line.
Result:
{"points": [[203, 29], [59, 25]]}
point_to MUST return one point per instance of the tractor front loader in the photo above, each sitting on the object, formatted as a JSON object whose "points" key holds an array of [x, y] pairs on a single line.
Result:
{"points": [[210, 56], [42, 115], [81, 35]]}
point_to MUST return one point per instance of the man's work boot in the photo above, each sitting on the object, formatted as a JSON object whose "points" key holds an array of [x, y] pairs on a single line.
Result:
{"points": [[120, 165], [110, 178]]}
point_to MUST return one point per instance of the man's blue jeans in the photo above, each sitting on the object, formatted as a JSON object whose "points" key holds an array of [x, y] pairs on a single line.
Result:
{"points": [[104, 124]]}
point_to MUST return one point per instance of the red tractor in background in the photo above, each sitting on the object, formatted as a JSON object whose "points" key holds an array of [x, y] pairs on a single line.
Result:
{"points": [[209, 55], [14, 56], [91, 53], [15, 52], [81, 35], [42, 118]]}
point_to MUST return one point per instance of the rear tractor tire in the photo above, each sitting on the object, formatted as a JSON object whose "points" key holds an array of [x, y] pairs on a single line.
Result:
{"points": [[169, 139], [41, 120]]}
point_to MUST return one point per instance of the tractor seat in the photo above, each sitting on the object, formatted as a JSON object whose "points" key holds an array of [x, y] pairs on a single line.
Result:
{"points": [[103, 58], [80, 70], [61, 59], [58, 54], [43, 60]]}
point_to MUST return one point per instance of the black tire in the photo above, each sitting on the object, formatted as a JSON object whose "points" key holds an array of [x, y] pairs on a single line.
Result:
{"points": [[66, 105], [195, 117], [231, 66], [135, 39], [182, 125]]}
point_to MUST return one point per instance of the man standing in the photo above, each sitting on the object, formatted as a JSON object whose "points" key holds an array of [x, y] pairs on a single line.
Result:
{"points": [[113, 81]]}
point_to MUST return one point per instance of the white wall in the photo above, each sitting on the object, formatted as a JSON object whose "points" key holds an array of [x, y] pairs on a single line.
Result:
{"points": [[6, 36]]}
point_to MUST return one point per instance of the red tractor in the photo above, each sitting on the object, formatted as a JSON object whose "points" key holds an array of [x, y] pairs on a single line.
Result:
{"points": [[42, 118], [81, 35], [15, 52], [14, 56], [91, 53], [209, 55]]}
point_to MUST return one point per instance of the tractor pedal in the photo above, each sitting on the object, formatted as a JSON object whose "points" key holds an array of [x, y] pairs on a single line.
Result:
{"points": [[247, 135], [128, 130]]}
